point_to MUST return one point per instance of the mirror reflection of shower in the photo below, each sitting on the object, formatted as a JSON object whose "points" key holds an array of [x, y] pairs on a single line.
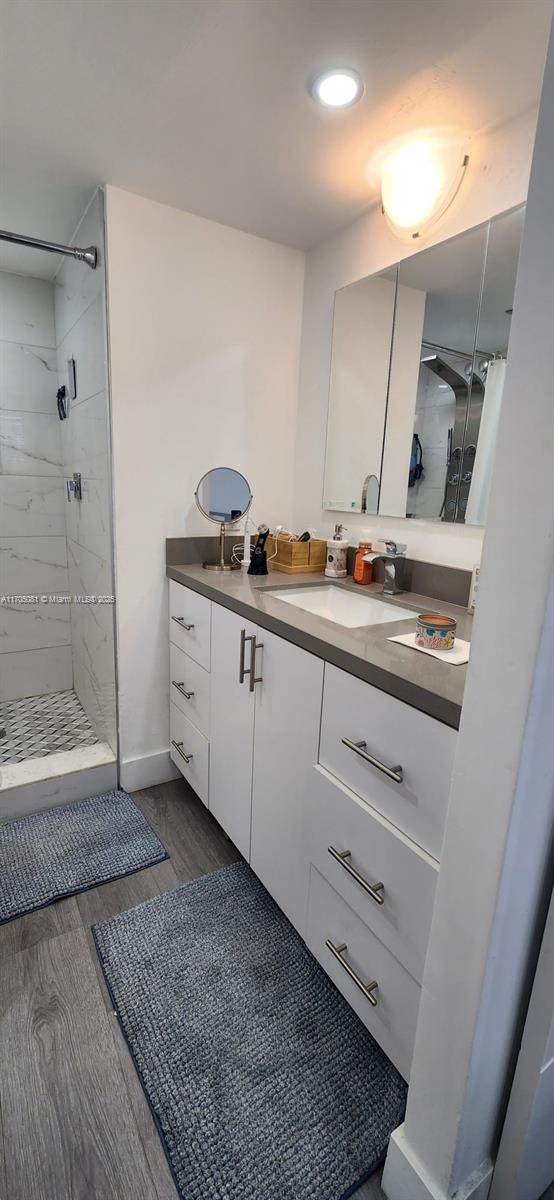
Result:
{"points": [[447, 421]]}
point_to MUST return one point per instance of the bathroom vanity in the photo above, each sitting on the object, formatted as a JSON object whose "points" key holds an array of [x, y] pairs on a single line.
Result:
{"points": [[325, 753]]}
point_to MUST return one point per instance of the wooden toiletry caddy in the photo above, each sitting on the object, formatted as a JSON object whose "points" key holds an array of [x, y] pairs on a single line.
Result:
{"points": [[296, 557]]}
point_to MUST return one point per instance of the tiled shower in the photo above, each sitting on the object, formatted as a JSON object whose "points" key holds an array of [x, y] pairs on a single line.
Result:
{"points": [[57, 654]]}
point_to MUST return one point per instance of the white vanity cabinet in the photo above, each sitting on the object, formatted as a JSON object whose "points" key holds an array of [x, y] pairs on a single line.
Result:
{"points": [[332, 790]]}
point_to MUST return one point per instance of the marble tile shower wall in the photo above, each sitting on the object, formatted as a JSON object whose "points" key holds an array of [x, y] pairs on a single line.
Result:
{"points": [[79, 303], [35, 639]]}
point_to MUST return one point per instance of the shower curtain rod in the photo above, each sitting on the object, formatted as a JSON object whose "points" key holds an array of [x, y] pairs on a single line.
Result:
{"points": [[88, 255]]}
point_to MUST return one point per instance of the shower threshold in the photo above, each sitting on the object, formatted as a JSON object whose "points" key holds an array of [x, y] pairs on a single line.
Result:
{"points": [[49, 755], [41, 783]]}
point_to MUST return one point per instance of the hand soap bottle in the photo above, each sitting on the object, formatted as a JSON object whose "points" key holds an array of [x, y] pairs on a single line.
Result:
{"points": [[337, 547]]}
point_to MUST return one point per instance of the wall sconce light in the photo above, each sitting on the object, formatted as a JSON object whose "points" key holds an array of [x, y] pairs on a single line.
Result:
{"points": [[419, 180]]}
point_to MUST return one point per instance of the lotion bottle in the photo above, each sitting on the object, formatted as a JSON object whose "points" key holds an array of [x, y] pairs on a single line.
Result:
{"points": [[337, 547]]}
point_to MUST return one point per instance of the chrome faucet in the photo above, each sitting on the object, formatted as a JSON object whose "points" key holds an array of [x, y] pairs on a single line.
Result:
{"points": [[393, 558]]}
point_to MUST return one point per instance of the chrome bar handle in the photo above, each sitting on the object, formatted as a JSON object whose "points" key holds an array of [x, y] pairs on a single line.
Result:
{"points": [[181, 688], [367, 989], [252, 672], [179, 748], [181, 621], [374, 890], [394, 773], [244, 638]]}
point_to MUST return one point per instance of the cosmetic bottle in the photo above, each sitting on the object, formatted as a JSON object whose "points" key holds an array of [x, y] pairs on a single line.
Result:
{"points": [[337, 547]]}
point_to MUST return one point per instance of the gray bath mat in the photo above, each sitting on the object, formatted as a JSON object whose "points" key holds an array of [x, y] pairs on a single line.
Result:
{"points": [[71, 848], [263, 1083]]}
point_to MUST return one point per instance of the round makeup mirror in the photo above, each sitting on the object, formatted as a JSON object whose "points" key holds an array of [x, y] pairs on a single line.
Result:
{"points": [[223, 496]]}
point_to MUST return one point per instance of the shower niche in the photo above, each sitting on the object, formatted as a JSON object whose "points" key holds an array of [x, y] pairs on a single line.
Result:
{"points": [[58, 729], [417, 372]]}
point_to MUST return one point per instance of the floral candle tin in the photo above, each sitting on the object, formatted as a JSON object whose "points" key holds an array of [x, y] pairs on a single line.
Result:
{"points": [[435, 632]]}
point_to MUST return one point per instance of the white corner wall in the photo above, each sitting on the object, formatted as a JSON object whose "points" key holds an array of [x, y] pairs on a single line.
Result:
{"points": [[500, 819], [497, 179], [205, 328]]}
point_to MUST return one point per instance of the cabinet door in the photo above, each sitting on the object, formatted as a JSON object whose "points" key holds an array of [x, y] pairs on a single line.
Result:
{"points": [[231, 727], [288, 709]]}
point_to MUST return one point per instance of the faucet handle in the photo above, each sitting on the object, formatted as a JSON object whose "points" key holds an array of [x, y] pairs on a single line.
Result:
{"points": [[390, 547]]}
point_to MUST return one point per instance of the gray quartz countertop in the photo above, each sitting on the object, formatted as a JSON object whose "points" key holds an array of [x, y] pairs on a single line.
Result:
{"points": [[428, 684]]}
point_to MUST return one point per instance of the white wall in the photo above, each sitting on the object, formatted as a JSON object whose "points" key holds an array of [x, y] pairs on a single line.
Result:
{"points": [[35, 640], [500, 815], [79, 300], [204, 341], [497, 179]]}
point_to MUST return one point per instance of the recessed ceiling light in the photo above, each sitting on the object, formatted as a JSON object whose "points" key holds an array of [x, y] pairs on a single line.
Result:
{"points": [[338, 88]]}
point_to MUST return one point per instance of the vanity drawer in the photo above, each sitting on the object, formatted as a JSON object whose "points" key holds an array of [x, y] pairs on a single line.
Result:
{"points": [[189, 688], [393, 734], [393, 1020], [399, 912], [188, 608], [186, 739]]}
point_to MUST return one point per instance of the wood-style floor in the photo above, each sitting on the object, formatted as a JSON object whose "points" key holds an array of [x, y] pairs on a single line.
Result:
{"points": [[74, 1122]]}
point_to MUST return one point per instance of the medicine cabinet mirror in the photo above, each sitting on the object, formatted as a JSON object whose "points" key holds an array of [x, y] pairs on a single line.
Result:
{"points": [[362, 337], [417, 371]]}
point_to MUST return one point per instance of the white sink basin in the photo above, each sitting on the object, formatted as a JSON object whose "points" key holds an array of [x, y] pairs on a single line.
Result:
{"points": [[343, 607]]}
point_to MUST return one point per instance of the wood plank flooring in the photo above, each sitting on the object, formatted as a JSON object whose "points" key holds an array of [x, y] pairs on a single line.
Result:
{"points": [[74, 1121]]}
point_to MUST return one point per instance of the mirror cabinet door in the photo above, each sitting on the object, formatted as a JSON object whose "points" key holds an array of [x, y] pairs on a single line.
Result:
{"points": [[432, 385], [362, 336], [489, 364], [417, 371]]}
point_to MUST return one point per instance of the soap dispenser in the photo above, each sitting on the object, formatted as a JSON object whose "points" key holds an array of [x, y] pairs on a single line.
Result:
{"points": [[337, 547]]}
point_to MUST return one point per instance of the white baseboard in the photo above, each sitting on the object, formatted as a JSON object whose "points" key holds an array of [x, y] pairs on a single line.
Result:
{"points": [[147, 771], [405, 1177]]}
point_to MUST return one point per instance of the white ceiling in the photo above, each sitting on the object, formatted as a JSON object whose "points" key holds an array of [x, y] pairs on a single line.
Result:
{"points": [[203, 104]]}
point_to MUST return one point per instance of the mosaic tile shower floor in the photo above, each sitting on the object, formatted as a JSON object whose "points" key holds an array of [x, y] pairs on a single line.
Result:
{"points": [[42, 725]]}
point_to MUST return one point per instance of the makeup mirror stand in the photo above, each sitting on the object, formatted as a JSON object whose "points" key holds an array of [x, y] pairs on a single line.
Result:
{"points": [[221, 565], [223, 496]]}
